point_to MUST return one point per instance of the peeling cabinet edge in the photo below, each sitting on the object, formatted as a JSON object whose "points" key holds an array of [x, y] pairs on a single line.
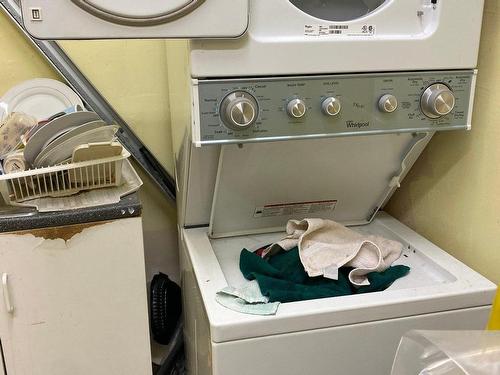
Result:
{"points": [[55, 233]]}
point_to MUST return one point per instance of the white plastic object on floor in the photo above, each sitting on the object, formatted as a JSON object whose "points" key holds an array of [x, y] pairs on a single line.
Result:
{"points": [[62, 180], [448, 353]]}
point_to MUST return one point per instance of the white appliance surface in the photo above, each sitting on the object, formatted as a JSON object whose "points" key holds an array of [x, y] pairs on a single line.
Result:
{"points": [[437, 283], [285, 40], [108, 19], [357, 349]]}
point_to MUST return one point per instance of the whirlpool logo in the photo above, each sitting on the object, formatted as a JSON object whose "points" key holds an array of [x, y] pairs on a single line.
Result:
{"points": [[359, 125]]}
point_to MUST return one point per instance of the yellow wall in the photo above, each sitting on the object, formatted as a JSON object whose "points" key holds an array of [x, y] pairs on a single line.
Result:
{"points": [[179, 89], [19, 61]]}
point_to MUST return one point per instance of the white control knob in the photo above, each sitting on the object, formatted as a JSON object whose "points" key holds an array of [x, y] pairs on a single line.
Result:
{"points": [[437, 101], [296, 108], [388, 103], [239, 110], [331, 106]]}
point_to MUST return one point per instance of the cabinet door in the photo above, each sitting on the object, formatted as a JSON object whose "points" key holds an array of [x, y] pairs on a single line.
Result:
{"points": [[79, 297]]}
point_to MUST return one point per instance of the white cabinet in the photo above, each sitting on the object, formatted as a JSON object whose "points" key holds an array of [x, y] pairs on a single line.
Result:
{"points": [[79, 300]]}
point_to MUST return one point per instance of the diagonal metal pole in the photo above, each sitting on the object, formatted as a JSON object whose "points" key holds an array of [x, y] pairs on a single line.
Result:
{"points": [[61, 62]]}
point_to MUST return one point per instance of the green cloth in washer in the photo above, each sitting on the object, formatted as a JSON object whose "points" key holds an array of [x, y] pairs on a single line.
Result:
{"points": [[282, 278]]}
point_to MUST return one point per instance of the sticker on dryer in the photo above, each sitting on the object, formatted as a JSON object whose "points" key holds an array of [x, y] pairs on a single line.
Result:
{"points": [[298, 208], [339, 30]]}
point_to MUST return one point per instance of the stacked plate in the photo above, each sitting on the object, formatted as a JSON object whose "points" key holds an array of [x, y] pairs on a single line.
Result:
{"points": [[55, 142]]}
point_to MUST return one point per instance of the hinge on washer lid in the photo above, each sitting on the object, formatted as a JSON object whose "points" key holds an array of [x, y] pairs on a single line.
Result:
{"points": [[372, 216], [394, 184]]}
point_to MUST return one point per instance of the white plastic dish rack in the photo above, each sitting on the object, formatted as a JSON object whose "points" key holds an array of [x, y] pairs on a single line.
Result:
{"points": [[62, 180]]}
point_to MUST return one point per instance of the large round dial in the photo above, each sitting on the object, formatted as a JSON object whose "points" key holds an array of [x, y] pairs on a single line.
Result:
{"points": [[239, 110], [296, 108], [437, 101]]}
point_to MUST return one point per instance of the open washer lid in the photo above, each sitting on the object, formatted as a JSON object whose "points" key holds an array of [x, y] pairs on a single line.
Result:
{"points": [[133, 12], [261, 186]]}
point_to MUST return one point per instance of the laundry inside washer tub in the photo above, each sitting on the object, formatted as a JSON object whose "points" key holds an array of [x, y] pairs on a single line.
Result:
{"points": [[277, 275], [282, 278]]}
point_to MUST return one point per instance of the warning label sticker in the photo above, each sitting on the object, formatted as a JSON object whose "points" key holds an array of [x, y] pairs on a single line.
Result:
{"points": [[339, 30], [298, 208]]}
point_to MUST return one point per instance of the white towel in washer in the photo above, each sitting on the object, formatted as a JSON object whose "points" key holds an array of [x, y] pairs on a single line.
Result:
{"points": [[325, 246]]}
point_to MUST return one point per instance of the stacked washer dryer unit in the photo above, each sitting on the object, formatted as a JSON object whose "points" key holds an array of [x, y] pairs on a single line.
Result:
{"points": [[308, 108], [320, 110]]}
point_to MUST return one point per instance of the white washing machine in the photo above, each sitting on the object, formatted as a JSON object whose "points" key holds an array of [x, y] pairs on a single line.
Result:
{"points": [[305, 108], [343, 335]]}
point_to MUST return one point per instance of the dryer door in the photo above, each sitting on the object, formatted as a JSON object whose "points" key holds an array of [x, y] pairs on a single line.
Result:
{"points": [[126, 12], [338, 10], [98, 19]]}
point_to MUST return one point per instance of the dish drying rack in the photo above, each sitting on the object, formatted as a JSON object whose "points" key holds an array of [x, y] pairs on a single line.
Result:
{"points": [[62, 180]]}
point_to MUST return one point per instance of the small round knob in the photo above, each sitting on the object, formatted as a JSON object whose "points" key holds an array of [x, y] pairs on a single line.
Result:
{"points": [[388, 103], [296, 108], [331, 106], [437, 101], [239, 110]]}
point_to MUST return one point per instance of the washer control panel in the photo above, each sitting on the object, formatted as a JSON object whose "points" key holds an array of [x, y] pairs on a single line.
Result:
{"points": [[249, 110]]}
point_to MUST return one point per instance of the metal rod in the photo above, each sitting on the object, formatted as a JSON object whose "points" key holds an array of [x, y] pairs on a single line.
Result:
{"points": [[61, 62]]}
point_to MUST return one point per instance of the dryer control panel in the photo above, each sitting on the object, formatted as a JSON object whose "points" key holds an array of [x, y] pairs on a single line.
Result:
{"points": [[252, 110]]}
